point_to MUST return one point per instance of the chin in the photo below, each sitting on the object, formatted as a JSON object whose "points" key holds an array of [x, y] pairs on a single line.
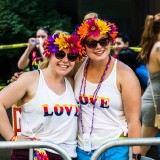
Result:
{"points": [[64, 72]]}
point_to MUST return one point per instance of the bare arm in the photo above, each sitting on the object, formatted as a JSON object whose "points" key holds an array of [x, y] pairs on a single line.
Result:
{"points": [[131, 97], [24, 59], [8, 96]]}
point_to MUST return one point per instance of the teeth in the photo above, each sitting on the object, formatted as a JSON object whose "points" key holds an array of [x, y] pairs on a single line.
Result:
{"points": [[100, 52], [63, 66]]}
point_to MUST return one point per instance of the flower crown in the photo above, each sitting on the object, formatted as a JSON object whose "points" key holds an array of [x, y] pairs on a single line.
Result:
{"points": [[95, 27], [58, 42]]}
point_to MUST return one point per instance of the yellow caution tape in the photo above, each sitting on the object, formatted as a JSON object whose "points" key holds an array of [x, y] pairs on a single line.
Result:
{"points": [[136, 49], [11, 46], [1, 87]]}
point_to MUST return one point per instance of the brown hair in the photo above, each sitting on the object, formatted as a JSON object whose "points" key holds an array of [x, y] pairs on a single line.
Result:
{"points": [[149, 36]]}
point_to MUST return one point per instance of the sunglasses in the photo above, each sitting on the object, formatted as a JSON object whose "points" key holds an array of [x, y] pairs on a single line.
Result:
{"points": [[93, 44], [71, 56]]}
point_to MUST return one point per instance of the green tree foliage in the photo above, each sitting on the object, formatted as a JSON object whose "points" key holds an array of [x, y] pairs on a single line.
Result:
{"points": [[19, 20]]}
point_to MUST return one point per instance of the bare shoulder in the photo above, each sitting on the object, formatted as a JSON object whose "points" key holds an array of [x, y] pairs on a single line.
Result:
{"points": [[124, 70], [26, 80], [18, 89], [156, 52], [31, 75], [27, 77], [156, 47], [126, 76]]}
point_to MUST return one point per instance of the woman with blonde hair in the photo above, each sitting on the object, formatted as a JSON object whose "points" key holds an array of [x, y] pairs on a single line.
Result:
{"points": [[49, 109]]}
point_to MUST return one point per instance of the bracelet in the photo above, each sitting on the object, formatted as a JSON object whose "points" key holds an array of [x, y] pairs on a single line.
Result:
{"points": [[14, 138]]}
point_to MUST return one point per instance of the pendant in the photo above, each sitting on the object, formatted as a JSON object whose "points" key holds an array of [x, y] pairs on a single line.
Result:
{"points": [[87, 142]]}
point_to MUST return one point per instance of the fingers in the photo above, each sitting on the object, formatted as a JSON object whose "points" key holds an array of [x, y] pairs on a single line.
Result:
{"points": [[25, 138], [15, 76]]}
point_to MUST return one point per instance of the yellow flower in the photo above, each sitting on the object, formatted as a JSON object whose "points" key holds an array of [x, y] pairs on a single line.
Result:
{"points": [[61, 41], [104, 28]]}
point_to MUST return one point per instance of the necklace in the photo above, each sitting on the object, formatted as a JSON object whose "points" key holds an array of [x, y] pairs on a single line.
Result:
{"points": [[94, 94]]}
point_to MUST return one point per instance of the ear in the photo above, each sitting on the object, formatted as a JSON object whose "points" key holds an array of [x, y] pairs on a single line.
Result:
{"points": [[126, 44]]}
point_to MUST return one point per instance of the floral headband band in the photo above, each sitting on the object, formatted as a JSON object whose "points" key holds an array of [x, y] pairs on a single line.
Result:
{"points": [[95, 27], [58, 42]]}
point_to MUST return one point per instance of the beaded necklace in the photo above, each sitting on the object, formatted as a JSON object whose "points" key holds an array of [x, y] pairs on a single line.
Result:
{"points": [[94, 94]]}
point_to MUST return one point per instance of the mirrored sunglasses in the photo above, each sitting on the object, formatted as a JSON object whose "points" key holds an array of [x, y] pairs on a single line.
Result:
{"points": [[71, 56], [93, 43]]}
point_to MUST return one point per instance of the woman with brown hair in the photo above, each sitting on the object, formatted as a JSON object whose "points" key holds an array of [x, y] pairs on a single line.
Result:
{"points": [[150, 55]]}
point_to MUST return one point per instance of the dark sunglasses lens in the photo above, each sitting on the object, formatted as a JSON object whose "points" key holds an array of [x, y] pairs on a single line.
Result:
{"points": [[60, 55], [72, 57], [104, 42], [91, 44]]}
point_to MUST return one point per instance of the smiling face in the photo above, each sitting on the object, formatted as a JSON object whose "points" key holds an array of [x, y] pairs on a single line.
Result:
{"points": [[97, 48], [61, 66], [118, 45]]}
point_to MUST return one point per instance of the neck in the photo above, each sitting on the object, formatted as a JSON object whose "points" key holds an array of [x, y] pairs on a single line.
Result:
{"points": [[51, 74], [98, 64]]}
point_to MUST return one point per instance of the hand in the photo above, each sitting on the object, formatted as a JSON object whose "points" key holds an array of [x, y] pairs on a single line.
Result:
{"points": [[15, 76], [25, 138], [32, 42], [40, 41]]}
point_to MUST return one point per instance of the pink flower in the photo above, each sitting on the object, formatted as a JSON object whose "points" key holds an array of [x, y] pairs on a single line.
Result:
{"points": [[93, 28], [74, 44]]}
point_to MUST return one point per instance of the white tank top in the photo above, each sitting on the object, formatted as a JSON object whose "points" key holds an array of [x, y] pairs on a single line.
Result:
{"points": [[109, 119], [51, 117]]}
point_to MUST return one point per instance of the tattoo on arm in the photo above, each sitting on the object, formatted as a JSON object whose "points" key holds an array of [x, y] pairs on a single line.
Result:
{"points": [[158, 49]]}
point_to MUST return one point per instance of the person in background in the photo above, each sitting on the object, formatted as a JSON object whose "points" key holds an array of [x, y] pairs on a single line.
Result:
{"points": [[150, 55], [49, 109], [108, 108], [121, 41], [33, 54], [128, 56]]}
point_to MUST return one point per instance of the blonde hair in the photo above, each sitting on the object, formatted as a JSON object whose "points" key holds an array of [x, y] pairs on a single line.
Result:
{"points": [[90, 15], [149, 36], [60, 31], [43, 64]]}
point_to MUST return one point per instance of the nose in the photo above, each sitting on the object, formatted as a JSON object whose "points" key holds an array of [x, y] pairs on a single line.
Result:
{"points": [[65, 59], [98, 45]]}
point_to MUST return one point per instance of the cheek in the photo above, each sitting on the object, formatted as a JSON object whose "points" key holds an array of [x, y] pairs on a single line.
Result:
{"points": [[72, 64], [88, 50]]}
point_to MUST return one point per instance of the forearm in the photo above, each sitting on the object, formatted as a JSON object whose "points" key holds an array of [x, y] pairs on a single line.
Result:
{"points": [[23, 61], [134, 131], [5, 127]]}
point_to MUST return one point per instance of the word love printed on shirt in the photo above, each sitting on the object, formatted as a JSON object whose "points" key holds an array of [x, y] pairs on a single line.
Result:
{"points": [[61, 109], [88, 99]]}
